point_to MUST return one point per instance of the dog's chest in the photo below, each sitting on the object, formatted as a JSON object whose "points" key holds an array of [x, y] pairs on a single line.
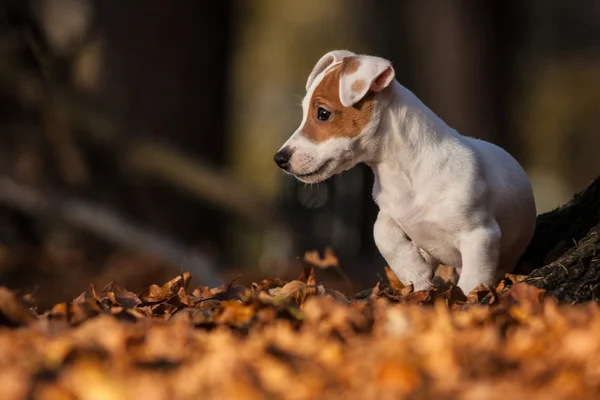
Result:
{"points": [[422, 221], [397, 201], [394, 195]]}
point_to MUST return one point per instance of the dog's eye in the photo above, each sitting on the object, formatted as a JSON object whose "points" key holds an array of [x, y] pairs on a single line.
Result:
{"points": [[323, 114]]}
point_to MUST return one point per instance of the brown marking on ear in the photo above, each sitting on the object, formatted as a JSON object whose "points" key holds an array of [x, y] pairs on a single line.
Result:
{"points": [[346, 122], [358, 85], [350, 65]]}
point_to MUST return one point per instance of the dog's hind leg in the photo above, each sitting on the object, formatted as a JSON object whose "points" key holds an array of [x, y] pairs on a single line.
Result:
{"points": [[480, 252]]}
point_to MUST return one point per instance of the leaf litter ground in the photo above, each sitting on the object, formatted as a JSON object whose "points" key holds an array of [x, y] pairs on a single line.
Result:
{"points": [[300, 340]]}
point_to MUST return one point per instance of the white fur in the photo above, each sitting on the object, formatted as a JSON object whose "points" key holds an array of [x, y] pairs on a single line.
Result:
{"points": [[443, 197]]}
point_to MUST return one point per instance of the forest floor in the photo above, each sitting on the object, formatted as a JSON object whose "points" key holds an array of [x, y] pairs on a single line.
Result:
{"points": [[299, 340], [533, 336]]}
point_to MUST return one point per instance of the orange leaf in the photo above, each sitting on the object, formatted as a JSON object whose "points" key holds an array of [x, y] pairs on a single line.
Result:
{"points": [[308, 276], [154, 294], [477, 294], [329, 259], [13, 309], [296, 290], [420, 297], [525, 294], [393, 279], [454, 294]]}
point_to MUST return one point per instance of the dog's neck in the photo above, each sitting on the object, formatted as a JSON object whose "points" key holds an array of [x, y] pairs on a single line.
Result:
{"points": [[409, 136]]}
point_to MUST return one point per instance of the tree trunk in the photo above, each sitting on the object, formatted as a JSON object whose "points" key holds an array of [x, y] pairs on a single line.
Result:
{"points": [[563, 251]]}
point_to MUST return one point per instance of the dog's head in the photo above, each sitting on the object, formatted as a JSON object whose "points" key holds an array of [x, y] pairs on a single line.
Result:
{"points": [[341, 114]]}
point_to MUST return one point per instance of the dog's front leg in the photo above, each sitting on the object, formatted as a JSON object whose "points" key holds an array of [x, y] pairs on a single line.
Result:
{"points": [[480, 252], [402, 255]]}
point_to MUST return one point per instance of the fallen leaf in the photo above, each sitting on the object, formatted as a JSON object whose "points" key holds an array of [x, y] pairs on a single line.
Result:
{"points": [[418, 297], [202, 292], [308, 276], [406, 290], [526, 295], [454, 294], [393, 279], [336, 295], [235, 313], [395, 375], [227, 292], [296, 290], [184, 299], [515, 278], [477, 294], [268, 284], [13, 311], [329, 259], [118, 295], [80, 310], [375, 292], [156, 294]]}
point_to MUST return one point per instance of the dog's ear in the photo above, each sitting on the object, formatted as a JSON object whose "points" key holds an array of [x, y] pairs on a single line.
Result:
{"points": [[328, 59], [361, 74]]}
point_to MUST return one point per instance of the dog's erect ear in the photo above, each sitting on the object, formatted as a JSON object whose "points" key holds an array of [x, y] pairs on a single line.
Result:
{"points": [[361, 74], [332, 57]]}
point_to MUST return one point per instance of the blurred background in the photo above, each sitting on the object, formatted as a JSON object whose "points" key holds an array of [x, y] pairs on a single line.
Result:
{"points": [[137, 137]]}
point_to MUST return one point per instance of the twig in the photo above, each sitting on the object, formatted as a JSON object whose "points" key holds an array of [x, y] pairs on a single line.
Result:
{"points": [[146, 156], [108, 225]]}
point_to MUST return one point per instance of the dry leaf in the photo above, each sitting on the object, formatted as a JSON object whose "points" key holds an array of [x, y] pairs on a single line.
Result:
{"points": [[393, 279], [13, 311], [525, 295], [406, 290], [515, 278], [329, 259], [235, 313], [308, 276], [296, 290], [118, 295], [155, 294], [477, 294], [375, 292], [301, 340], [454, 294], [419, 297]]}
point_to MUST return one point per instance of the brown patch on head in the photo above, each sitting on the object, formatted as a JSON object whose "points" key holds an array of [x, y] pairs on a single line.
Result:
{"points": [[344, 121], [350, 65], [358, 85]]}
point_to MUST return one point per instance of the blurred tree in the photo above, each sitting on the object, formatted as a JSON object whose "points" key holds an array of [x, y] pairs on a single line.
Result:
{"points": [[558, 112], [164, 74], [275, 46]]}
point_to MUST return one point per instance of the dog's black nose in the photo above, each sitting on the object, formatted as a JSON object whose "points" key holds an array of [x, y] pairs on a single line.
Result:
{"points": [[282, 158]]}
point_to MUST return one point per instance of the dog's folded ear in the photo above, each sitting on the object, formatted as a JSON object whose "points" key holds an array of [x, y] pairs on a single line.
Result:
{"points": [[361, 74], [328, 59]]}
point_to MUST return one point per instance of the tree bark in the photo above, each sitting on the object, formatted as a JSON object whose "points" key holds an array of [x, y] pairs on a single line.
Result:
{"points": [[561, 257]]}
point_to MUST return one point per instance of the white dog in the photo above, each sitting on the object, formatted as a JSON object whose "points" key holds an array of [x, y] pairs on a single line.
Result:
{"points": [[444, 198]]}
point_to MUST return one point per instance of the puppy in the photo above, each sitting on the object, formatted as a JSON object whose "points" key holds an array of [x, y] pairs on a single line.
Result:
{"points": [[443, 198]]}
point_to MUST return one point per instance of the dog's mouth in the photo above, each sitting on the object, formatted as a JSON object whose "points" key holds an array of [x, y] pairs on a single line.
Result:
{"points": [[315, 173]]}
